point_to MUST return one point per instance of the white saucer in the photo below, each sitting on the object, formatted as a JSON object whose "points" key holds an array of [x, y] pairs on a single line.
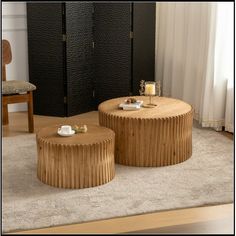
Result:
{"points": [[66, 135]]}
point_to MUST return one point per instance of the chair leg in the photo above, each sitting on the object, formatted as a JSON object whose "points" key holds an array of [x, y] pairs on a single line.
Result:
{"points": [[5, 119], [30, 113]]}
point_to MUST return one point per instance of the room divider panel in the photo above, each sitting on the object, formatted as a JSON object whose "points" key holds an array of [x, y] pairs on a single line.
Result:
{"points": [[144, 19], [82, 53], [60, 57], [46, 57], [112, 52], [79, 58]]}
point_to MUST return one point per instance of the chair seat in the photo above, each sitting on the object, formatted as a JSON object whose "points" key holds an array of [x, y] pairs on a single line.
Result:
{"points": [[16, 87]]}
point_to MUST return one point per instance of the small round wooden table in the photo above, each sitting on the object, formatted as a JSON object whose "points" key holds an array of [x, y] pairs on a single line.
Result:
{"points": [[150, 137], [79, 161]]}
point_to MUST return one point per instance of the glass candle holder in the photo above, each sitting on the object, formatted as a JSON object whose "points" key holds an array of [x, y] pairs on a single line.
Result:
{"points": [[150, 90]]}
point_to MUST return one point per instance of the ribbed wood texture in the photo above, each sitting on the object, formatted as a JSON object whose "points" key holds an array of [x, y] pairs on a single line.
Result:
{"points": [[76, 162], [149, 137]]}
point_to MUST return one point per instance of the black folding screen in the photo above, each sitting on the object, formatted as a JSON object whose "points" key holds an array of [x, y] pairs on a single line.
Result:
{"points": [[144, 18], [81, 54], [46, 62], [79, 57], [112, 52]]}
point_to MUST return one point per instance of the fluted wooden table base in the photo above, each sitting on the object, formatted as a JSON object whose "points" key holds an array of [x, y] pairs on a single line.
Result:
{"points": [[80, 161], [150, 137]]}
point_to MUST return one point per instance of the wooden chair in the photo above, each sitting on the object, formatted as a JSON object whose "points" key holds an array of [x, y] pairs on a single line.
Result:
{"points": [[15, 91]]}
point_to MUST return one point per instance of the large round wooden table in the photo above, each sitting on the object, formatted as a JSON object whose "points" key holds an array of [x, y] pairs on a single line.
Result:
{"points": [[80, 161], [149, 137]]}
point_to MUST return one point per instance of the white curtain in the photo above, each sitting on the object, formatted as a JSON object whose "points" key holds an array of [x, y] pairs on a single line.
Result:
{"points": [[194, 58]]}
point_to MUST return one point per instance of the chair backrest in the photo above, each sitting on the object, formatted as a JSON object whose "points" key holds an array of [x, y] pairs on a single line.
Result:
{"points": [[6, 57]]}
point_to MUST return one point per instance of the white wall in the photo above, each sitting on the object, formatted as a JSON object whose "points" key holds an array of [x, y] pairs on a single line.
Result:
{"points": [[14, 29]]}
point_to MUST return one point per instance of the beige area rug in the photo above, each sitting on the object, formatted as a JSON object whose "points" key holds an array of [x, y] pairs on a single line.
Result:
{"points": [[205, 179]]}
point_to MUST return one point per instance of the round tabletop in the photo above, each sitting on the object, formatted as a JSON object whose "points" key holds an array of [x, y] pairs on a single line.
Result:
{"points": [[79, 161], [166, 107], [95, 134]]}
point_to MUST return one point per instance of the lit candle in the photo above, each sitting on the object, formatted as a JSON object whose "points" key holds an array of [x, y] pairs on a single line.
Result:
{"points": [[150, 89]]}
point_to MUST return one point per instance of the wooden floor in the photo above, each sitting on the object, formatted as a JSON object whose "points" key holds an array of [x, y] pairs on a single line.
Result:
{"points": [[217, 219]]}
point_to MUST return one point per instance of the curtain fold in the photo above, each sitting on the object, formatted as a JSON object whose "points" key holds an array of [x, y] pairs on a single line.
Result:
{"points": [[229, 110], [194, 58]]}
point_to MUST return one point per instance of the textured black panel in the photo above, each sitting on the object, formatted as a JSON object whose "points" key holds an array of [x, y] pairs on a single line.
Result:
{"points": [[44, 22], [144, 15], [112, 54], [79, 28]]}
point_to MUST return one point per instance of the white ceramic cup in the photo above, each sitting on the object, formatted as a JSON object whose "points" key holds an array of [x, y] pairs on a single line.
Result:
{"points": [[65, 129]]}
